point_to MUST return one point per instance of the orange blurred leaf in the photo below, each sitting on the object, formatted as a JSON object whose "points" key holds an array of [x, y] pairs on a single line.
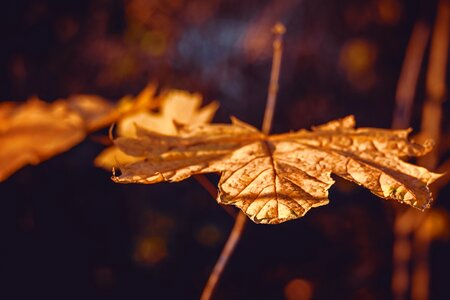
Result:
{"points": [[95, 111], [35, 131]]}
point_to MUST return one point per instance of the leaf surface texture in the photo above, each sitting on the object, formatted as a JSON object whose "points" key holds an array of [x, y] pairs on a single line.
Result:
{"points": [[275, 178]]}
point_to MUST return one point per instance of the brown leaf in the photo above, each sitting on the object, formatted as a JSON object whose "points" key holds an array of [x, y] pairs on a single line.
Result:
{"points": [[176, 107], [280, 177], [35, 131]]}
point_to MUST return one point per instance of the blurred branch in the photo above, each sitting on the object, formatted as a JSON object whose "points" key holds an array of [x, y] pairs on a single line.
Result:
{"points": [[227, 251], [406, 221], [421, 271], [409, 222], [407, 82], [431, 128], [212, 190], [436, 83]]}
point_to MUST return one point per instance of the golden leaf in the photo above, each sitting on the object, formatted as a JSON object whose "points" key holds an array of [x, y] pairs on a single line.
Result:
{"points": [[35, 131], [177, 107], [275, 178], [99, 113], [145, 100]]}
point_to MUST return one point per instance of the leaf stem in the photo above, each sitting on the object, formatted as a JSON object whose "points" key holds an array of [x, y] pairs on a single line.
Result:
{"points": [[230, 245], [278, 30], [241, 219], [212, 190]]}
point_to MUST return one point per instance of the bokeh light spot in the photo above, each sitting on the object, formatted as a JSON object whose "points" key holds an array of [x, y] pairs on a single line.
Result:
{"points": [[209, 235], [150, 251], [298, 289]]}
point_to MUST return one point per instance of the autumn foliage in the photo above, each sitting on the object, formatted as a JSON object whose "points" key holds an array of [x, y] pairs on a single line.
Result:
{"points": [[280, 177], [341, 60], [271, 178]]}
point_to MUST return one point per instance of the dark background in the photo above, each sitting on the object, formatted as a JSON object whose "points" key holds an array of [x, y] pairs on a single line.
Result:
{"points": [[68, 232]]}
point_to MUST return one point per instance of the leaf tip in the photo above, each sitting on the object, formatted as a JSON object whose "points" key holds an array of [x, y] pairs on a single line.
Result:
{"points": [[344, 123], [235, 121]]}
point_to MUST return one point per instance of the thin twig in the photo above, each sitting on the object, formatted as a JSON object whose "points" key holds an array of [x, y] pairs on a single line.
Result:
{"points": [[206, 184], [241, 219], [212, 190], [230, 245], [278, 30]]}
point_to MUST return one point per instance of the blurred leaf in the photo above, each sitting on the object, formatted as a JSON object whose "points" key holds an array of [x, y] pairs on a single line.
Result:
{"points": [[35, 131], [145, 100], [277, 178], [177, 107], [95, 111]]}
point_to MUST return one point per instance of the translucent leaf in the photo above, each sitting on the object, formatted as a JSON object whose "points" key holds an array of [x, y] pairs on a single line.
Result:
{"points": [[176, 108], [277, 178]]}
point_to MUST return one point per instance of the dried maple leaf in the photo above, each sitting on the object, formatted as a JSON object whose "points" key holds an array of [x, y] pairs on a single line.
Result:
{"points": [[176, 107], [275, 178], [35, 131]]}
